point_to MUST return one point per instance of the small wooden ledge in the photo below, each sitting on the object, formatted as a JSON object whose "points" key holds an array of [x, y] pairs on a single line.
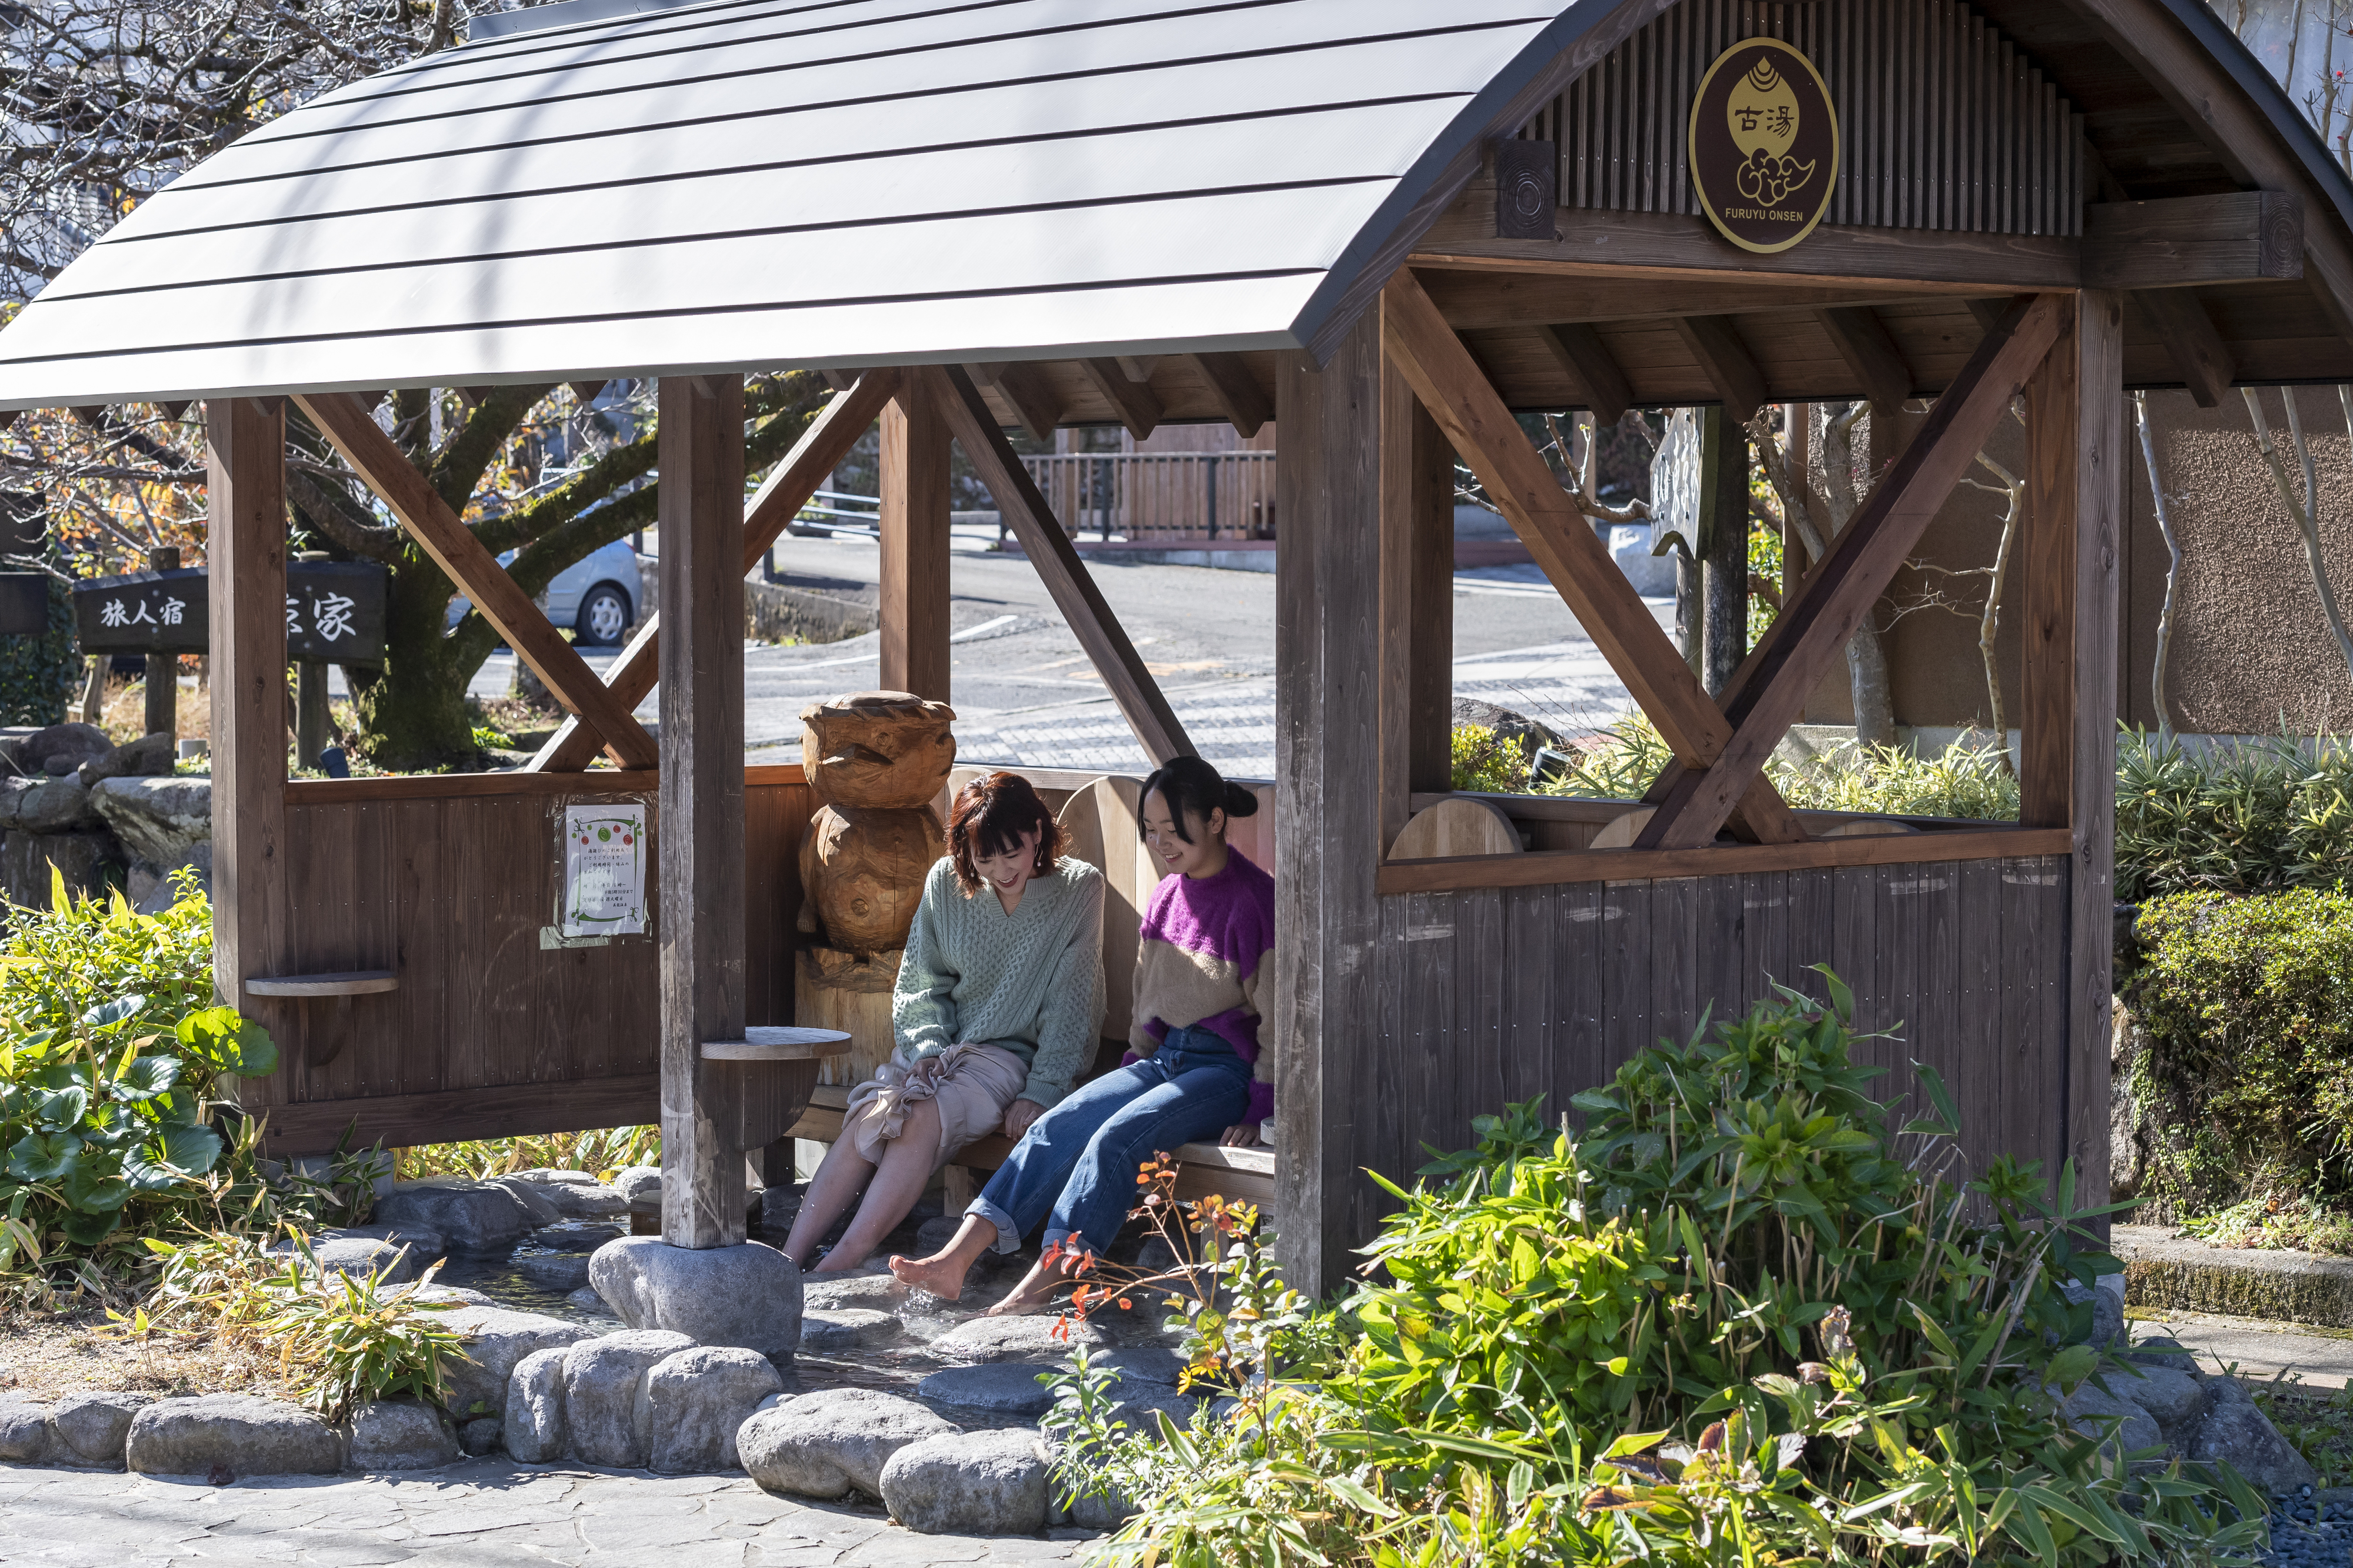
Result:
{"points": [[777, 1043], [349, 982]]}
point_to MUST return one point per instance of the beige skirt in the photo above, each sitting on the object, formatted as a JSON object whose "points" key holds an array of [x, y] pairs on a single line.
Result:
{"points": [[972, 1086]]}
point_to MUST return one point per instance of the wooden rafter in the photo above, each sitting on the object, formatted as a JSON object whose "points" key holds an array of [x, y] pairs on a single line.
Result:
{"points": [[1030, 392], [353, 432], [1598, 381], [1861, 339], [2197, 349], [1474, 418], [2235, 236], [1769, 691], [1139, 405], [789, 484], [1247, 407], [1084, 607], [1730, 368]]}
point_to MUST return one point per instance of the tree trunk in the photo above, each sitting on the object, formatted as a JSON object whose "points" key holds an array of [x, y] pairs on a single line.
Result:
{"points": [[1722, 549], [1866, 675], [414, 714]]}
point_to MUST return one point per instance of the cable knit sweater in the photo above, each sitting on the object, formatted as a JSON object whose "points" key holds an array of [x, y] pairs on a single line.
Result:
{"points": [[1208, 944], [1030, 982]]}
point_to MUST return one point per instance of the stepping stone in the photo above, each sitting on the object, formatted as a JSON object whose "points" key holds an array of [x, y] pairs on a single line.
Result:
{"points": [[832, 1292], [1001, 1388], [847, 1327], [826, 1444], [1017, 1339], [970, 1483]]}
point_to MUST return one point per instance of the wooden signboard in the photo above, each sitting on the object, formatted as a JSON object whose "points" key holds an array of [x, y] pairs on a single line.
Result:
{"points": [[334, 611], [1764, 145]]}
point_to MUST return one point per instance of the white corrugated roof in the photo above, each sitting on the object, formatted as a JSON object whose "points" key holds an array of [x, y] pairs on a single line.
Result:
{"points": [[746, 183]]}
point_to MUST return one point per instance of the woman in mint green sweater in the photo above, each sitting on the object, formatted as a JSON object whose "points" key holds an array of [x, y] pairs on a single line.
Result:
{"points": [[999, 1000]]}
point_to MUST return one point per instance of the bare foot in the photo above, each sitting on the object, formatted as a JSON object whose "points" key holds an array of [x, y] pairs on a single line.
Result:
{"points": [[1037, 1287], [838, 1262], [941, 1274]]}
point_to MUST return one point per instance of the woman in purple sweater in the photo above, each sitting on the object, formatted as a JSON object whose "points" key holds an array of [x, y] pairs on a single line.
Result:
{"points": [[1195, 1068]]}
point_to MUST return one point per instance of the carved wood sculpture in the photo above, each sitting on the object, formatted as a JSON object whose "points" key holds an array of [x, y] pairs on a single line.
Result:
{"points": [[876, 761]]}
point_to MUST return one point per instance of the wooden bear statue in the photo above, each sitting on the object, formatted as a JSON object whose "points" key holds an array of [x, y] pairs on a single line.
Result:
{"points": [[876, 761]]}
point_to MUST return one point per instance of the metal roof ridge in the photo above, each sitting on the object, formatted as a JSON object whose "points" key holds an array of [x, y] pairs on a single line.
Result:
{"points": [[562, 13]]}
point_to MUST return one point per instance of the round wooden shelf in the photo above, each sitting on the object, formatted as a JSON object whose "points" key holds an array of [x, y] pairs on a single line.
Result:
{"points": [[777, 1043], [349, 982]]}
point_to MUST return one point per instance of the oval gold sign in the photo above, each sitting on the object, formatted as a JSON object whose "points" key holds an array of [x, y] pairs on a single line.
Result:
{"points": [[1764, 145]]}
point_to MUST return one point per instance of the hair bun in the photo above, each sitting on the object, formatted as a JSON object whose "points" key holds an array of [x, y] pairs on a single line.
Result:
{"points": [[1240, 802]]}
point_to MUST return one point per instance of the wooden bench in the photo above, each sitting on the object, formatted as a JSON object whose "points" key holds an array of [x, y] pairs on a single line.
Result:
{"points": [[1098, 817]]}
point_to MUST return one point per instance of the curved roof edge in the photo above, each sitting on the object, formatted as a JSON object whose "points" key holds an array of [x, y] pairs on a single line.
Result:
{"points": [[2264, 89]]}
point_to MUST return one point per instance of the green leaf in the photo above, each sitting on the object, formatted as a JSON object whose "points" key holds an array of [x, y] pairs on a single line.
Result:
{"points": [[90, 1229], [1634, 1443], [109, 1014], [145, 1078], [2071, 1366], [230, 1042], [61, 1110], [44, 1157]]}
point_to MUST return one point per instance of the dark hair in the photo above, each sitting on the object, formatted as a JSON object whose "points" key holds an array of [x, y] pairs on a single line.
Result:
{"points": [[1191, 784], [989, 817]]}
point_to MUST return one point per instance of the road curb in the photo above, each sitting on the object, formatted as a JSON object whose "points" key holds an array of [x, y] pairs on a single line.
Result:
{"points": [[2166, 1272]]}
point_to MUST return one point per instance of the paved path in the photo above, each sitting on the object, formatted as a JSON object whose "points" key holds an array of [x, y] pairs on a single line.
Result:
{"points": [[481, 1514], [2258, 1347]]}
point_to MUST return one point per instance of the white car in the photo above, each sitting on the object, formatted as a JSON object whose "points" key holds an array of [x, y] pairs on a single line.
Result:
{"points": [[598, 595]]}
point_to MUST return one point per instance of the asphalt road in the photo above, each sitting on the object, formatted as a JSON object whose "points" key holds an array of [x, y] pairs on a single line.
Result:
{"points": [[1024, 692]]}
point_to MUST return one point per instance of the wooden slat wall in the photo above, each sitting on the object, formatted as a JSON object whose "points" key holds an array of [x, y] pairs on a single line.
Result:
{"points": [[1502, 994], [1943, 124], [452, 894]]}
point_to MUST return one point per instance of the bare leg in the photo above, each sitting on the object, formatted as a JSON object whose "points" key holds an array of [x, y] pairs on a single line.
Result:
{"points": [[1037, 1284], [830, 1193], [899, 1180], [942, 1272]]}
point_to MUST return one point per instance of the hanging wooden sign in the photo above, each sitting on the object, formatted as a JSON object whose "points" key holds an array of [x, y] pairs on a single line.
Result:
{"points": [[1764, 145], [334, 611]]}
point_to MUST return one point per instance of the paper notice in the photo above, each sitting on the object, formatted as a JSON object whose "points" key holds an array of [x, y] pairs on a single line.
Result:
{"points": [[604, 869]]}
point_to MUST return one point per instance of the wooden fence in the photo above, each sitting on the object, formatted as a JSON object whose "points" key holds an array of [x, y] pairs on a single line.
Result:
{"points": [[1159, 495]]}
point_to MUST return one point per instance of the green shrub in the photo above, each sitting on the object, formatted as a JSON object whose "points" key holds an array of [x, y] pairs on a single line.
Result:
{"points": [[37, 674], [2234, 818], [1485, 761], [2247, 1009], [1743, 1321]]}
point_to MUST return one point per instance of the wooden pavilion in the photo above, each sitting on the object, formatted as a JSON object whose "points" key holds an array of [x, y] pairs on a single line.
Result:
{"points": [[1385, 224]]}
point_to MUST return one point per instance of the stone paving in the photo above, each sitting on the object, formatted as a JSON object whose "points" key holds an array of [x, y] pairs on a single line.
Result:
{"points": [[480, 1514]]}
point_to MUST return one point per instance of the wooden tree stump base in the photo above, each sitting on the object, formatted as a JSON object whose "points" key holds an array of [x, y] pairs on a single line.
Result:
{"points": [[837, 990]]}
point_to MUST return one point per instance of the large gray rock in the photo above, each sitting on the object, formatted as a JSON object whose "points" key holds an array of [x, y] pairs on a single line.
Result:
{"points": [[149, 756], [30, 862], [1105, 1509], [151, 889], [496, 1338], [2236, 1433], [747, 1296], [531, 1197], [848, 1328], [564, 1271], [695, 1401], [401, 1434], [240, 1433], [162, 821], [15, 790], [2173, 1397], [1017, 1339], [1142, 1363], [398, 1254], [603, 1382], [826, 1444], [74, 742], [1001, 1388], [638, 1182], [533, 1431], [581, 1235], [480, 1436], [92, 1427], [61, 805], [2107, 1310], [2088, 1409], [28, 1430], [970, 1483], [589, 1201], [471, 1217], [833, 1292]]}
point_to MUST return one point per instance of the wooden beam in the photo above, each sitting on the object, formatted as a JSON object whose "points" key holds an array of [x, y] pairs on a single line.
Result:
{"points": [[1417, 603], [1137, 405], [1798, 648], [828, 440], [2197, 349], [2184, 242], [914, 493], [1137, 368], [353, 432], [1672, 247], [1521, 485], [1545, 867], [1482, 296], [1597, 379], [1730, 368], [1247, 405], [2048, 682], [245, 448], [2100, 471], [1084, 607], [700, 846], [1861, 339], [1028, 389]]}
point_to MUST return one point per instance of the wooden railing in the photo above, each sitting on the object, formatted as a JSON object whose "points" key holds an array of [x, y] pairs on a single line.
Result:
{"points": [[1159, 495]]}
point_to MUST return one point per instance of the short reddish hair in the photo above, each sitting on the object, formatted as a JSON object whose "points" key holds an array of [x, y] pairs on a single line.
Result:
{"points": [[989, 817]]}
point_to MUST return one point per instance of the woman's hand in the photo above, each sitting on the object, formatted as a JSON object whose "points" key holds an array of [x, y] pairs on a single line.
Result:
{"points": [[1019, 1115], [1242, 1137]]}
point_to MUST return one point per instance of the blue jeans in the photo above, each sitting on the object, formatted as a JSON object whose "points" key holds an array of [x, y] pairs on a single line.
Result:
{"points": [[1076, 1166]]}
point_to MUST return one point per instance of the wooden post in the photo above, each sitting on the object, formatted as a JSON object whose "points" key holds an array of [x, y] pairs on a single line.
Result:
{"points": [[309, 699], [1327, 807], [1722, 549], [914, 610], [163, 669], [246, 466], [701, 823], [2075, 436], [1417, 603]]}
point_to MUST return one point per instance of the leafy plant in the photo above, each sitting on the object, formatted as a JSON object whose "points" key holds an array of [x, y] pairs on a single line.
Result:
{"points": [[599, 1152], [1485, 762], [2233, 817], [1744, 1320]]}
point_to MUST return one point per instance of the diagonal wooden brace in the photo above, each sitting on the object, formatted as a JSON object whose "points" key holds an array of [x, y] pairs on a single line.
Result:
{"points": [[347, 424], [1467, 407], [1075, 595], [778, 501], [1769, 689]]}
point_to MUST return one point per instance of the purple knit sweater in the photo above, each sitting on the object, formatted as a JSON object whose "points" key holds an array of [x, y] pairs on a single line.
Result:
{"points": [[1207, 944]]}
